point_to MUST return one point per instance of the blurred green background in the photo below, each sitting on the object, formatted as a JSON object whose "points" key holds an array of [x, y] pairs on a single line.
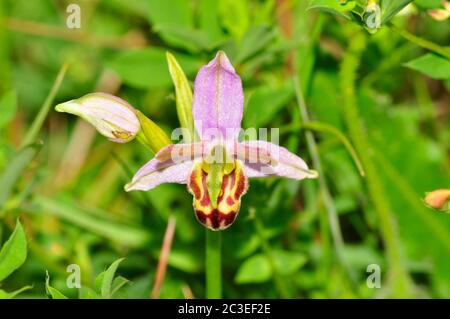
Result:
{"points": [[67, 188]]}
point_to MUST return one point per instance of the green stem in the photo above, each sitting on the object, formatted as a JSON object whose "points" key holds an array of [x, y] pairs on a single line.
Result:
{"points": [[429, 113], [327, 128], [333, 218], [421, 42], [399, 276], [33, 131], [213, 265]]}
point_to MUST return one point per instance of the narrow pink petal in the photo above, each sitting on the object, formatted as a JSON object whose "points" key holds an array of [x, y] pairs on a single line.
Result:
{"points": [[218, 99], [155, 173], [172, 164], [263, 159], [183, 151]]}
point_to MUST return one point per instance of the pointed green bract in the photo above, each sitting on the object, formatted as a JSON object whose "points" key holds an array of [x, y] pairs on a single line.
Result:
{"points": [[151, 135], [183, 96]]}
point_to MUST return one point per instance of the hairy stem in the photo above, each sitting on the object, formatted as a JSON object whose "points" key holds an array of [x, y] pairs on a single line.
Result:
{"points": [[349, 67], [333, 218], [421, 42]]}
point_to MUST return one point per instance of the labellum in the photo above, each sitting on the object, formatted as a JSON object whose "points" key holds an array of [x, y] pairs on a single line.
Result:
{"points": [[217, 212]]}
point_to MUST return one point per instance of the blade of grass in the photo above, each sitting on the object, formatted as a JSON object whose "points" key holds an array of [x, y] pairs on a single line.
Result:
{"points": [[36, 126], [16, 166], [118, 232]]}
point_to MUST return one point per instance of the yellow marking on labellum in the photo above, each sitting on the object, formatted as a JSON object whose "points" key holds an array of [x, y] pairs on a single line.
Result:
{"points": [[233, 186], [121, 134]]}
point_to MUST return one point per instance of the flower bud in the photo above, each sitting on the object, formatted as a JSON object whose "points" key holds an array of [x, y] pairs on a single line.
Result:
{"points": [[438, 199], [111, 116], [441, 14]]}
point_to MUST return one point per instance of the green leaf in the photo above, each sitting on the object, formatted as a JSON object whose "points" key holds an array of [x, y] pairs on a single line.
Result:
{"points": [[107, 279], [174, 13], [389, 8], [99, 280], [120, 233], [167, 17], [334, 7], [255, 269], [52, 292], [235, 16], [8, 107], [288, 262], [11, 295], [359, 256], [264, 103], [432, 65], [118, 283], [146, 68], [183, 260], [209, 21], [15, 168], [13, 252], [263, 13], [88, 293], [183, 97], [253, 41], [193, 40]]}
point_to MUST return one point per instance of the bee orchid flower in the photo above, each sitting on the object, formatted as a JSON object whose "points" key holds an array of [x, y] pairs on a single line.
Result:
{"points": [[216, 168]]}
